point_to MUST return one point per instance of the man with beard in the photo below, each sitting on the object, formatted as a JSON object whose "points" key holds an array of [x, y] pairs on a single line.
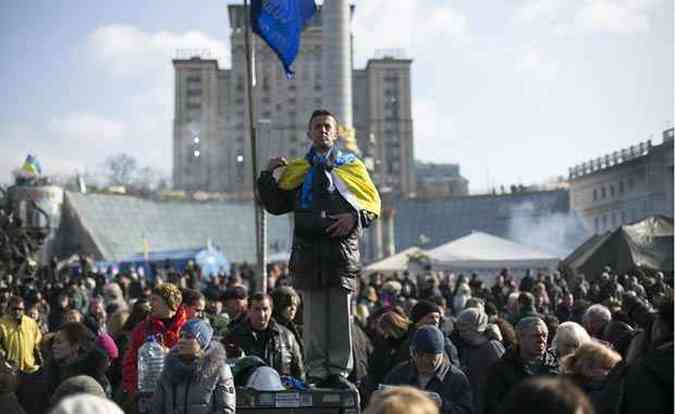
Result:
{"points": [[430, 370]]}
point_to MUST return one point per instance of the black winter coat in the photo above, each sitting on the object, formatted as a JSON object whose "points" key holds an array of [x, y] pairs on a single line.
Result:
{"points": [[317, 260], [362, 348], [276, 346], [448, 382], [476, 361], [506, 373], [648, 384]]}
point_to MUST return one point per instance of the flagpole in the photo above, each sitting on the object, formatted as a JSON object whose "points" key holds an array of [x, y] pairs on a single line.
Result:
{"points": [[260, 222]]}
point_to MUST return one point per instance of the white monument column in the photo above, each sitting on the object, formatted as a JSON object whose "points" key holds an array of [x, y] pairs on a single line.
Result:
{"points": [[337, 59]]}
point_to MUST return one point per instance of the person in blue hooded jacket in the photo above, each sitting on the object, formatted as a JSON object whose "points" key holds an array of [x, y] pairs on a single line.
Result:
{"points": [[195, 378]]}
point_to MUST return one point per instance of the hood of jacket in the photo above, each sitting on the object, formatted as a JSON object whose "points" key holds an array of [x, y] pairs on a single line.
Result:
{"points": [[203, 367]]}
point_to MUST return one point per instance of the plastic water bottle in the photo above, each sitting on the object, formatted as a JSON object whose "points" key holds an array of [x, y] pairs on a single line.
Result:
{"points": [[150, 364]]}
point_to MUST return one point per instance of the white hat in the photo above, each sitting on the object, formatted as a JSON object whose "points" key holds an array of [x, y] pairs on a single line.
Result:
{"points": [[265, 379], [86, 403]]}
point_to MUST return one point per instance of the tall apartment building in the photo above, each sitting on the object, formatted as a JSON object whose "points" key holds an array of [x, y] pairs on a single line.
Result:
{"points": [[624, 186], [383, 122], [211, 127]]}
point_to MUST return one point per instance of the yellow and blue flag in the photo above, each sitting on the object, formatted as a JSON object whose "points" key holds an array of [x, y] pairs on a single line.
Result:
{"points": [[351, 180], [32, 165]]}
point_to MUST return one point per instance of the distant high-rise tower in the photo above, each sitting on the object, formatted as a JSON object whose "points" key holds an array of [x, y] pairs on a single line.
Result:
{"points": [[338, 59], [211, 104]]}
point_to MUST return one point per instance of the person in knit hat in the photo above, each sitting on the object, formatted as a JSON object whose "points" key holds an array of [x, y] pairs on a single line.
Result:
{"points": [[198, 329], [478, 352], [80, 384], [85, 404], [165, 321], [430, 370], [196, 374], [170, 294], [427, 313]]}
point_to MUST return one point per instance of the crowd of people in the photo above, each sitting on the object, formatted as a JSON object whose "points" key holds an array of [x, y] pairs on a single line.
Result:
{"points": [[469, 345]]}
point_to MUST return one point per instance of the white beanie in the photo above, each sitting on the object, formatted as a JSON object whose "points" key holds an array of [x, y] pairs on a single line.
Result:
{"points": [[86, 404]]}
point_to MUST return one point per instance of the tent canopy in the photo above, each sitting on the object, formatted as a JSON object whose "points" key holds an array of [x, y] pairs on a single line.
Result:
{"points": [[647, 244], [483, 251], [395, 263]]}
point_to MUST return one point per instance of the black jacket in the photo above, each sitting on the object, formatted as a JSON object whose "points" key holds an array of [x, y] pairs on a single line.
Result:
{"points": [[648, 384], [317, 260], [448, 382], [509, 371], [276, 346], [476, 360], [362, 348]]}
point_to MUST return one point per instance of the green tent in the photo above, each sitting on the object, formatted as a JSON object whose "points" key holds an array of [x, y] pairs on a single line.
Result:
{"points": [[646, 244]]}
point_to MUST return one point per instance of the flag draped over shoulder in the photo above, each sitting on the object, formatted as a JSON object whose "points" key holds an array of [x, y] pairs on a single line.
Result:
{"points": [[351, 179], [280, 23]]}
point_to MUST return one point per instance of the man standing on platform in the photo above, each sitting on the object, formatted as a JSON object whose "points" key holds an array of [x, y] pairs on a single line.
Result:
{"points": [[332, 199]]}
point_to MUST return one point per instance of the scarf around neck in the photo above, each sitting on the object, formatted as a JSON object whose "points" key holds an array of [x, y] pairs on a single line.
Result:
{"points": [[320, 164]]}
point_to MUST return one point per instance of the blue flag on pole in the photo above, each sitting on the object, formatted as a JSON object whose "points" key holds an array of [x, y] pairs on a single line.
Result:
{"points": [[280, 23]]}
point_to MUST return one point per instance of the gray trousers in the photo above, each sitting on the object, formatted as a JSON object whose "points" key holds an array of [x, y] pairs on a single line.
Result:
{"points": [[327, 332]]}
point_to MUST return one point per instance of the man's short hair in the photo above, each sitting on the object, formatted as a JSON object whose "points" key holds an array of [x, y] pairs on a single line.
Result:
{"points": [[526, 324], [526, 299], [318, 113], [15, 300], [191, 297], [259, 297], [597, 312], [546, 395], [237, 292]]}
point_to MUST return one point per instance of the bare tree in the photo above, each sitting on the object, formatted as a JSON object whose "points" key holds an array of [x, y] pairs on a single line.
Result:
{"points": [[121, 169]]}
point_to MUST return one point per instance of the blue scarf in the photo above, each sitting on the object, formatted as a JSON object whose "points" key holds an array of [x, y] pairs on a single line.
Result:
{"points": [[333, 158]]}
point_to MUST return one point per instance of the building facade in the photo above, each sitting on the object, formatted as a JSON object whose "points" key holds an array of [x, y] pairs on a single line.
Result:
{"points": [[212, 150], [625, 186], [440, 180]]}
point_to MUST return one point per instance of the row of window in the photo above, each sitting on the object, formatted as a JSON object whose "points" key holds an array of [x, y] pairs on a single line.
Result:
{"points": [[610, 221], [611, 190]]}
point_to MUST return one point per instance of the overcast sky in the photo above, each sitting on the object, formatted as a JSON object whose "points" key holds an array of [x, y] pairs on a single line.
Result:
{"points": [[515, 91]]}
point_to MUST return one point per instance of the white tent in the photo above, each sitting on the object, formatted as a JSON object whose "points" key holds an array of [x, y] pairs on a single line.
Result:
{"points": [[395, 263], [486, 254]]}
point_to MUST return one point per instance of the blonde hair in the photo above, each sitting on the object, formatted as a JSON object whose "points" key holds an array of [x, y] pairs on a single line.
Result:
{"points": [[569, 336], [588, 357], [393, 324], [401, 400], [116, 322], [361, 313]]}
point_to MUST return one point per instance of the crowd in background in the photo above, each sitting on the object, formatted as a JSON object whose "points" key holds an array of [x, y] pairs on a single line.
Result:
{"points": [[509, 345]]}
